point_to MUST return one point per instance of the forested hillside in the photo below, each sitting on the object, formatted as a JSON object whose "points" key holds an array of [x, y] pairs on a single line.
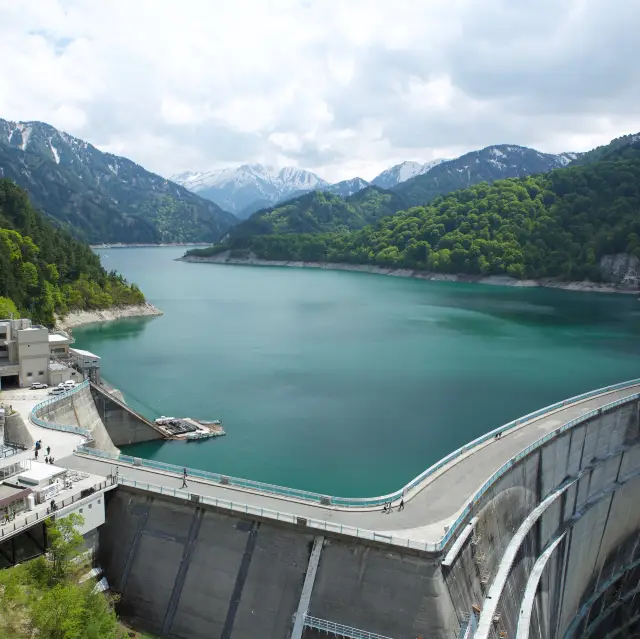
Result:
{"points": [[319, 212], [554, 225], [102, 197], [44, 270]]}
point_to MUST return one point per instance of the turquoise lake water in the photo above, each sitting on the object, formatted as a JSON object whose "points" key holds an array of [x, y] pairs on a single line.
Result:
{"points": [[348, 383]]}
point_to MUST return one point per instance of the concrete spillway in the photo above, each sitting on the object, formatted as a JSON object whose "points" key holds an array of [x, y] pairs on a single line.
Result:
{"points": [[543, 543], [107, 420]]}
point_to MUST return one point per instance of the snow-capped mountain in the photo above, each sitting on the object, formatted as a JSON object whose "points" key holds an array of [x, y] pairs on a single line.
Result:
{"points": [[486, 165], [250, 187], [347, 187], [103, 197], [403, 172]]}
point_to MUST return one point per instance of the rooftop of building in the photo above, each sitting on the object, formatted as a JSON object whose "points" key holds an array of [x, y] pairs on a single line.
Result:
{"points": [[79, 351], [39, 472], [10, 493]]}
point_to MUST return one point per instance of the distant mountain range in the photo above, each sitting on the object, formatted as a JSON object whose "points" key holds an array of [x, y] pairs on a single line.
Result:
{"points": [[332, 209], [574, 223], [102, 197], [252, 187]]}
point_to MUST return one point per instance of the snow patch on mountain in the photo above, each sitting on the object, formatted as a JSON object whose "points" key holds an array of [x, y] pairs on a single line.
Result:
{"points": [[54, 152], [403, 172]]}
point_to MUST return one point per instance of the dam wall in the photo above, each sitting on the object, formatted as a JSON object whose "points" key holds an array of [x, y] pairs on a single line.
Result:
{"points": [[124, 425], [569, 508], [549, 549], [188, 571]]}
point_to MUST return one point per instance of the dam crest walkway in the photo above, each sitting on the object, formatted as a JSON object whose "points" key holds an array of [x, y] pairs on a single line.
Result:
{"points": [[434, 502]]}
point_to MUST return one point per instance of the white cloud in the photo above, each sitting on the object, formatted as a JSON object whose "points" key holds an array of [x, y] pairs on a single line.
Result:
{"points": [[343, 88]]}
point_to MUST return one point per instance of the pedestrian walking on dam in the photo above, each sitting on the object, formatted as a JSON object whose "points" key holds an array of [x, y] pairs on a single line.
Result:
{"points": [[401, 506], [48, 450], [36, 453], [184, 478]]}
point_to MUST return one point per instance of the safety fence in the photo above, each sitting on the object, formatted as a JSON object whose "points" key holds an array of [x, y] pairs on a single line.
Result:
{"points": [[339, 630], [352, 531], [281, 491], [524, 453], [348, 502], [44, 512]]}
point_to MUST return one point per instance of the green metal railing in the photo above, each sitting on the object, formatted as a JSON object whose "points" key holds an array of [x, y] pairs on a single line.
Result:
{"points": [[293, 493], [350, 502]]}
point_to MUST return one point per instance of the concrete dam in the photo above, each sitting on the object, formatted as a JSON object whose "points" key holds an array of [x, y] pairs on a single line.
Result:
{"points": [[529, 531]]}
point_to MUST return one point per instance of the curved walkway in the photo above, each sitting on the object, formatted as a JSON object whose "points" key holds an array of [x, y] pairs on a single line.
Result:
{"points": [[433, 505]]}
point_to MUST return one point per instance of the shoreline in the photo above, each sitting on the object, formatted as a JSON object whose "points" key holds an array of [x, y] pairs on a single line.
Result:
{"points": [[147, 245], [80, 318], [492, 280]]}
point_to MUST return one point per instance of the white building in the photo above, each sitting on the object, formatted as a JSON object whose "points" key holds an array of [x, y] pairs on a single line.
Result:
{"points": [[27, 352]]}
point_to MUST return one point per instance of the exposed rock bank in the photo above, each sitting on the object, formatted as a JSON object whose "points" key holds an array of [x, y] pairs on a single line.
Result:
{"points": [[619, 281], [78, 318]]}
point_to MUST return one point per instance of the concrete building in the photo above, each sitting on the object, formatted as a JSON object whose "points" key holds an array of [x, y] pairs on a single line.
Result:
{"points": [[31, 353], [87, 363]]}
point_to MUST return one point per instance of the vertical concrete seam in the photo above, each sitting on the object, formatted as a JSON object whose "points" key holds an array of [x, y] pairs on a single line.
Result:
{"points": [[236, 595], [178, 584], [133, 551]]}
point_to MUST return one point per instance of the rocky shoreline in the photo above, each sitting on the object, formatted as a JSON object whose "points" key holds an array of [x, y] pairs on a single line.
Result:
{"points": [[147, 245], [495, 280], [78, 318]]}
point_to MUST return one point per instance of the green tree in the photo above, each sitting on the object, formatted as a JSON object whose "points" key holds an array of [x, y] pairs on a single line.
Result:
{"points": [[8, 308]]}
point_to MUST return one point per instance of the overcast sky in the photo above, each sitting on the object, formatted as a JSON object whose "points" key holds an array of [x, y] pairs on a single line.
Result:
{"points": [[340, 87]]}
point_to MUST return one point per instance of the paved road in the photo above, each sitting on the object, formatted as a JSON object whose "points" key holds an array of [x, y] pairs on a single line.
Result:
{"points": [[427, 511]]}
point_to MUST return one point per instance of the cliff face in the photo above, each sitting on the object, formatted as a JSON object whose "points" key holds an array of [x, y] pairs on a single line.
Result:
{"points": [[621, 269]]}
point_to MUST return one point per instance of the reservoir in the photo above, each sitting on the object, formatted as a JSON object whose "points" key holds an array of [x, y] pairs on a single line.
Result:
{"points": [[348, 383]]}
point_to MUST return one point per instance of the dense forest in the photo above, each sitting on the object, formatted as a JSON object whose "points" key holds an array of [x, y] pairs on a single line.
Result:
{"points": [[557, 224], [45, 271], [320, 212]]}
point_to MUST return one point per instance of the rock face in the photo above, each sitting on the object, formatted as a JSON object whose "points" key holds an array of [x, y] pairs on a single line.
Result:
{"points": [[621, 269]]}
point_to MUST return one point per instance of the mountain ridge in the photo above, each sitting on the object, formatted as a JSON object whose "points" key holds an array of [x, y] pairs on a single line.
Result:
{"points": [[562, 225], [252, 187], [102, 197]]}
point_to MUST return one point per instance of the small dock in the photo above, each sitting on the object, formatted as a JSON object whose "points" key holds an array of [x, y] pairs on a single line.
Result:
{"points": [[188, 429]]}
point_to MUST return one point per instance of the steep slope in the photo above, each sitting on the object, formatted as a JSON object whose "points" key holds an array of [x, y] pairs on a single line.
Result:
{"points": [[403, 172], [317, 212], [559, 225], [250, 187], [607, 150], [44, 270], [101, 197], [487, 165]]}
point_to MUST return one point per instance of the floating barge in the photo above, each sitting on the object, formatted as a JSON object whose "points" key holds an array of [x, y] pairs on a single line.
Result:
{"points": [[188, 429]]}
